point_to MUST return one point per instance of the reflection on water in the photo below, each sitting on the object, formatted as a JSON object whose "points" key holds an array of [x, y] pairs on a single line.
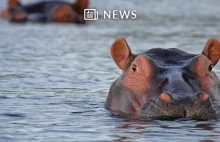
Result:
{"points": [[54, 79], [137, 130]]}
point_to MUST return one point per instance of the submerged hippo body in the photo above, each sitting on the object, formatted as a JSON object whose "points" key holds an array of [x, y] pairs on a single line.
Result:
{"points": [[46, 11], [165, 83]]}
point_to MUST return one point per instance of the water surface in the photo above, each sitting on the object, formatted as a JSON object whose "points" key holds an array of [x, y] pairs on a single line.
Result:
{"points": [[54, 78]]}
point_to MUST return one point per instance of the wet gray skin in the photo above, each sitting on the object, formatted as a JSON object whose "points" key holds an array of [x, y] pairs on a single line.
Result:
{"points": [[165, 83]]}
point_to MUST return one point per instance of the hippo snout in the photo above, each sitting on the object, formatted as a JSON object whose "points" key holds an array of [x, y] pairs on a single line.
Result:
{"points": [[199, 97], [198, 106], [192, 106]]}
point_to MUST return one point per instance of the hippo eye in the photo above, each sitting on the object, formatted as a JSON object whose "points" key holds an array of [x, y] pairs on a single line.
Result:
{"points": [[134, 68], [210, 67]]}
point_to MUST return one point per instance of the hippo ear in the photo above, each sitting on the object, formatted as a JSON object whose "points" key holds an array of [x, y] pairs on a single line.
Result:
{"points": [[13, 3], [212, 50], [120, 52], [80, 5]]}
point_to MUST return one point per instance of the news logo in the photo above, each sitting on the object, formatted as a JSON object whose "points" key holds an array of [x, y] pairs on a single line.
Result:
{"points": [[91, 14]]}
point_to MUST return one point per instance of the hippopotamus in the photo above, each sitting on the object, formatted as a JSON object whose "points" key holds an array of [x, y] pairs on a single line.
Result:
{"points": [[46, 11], [165, 83]]}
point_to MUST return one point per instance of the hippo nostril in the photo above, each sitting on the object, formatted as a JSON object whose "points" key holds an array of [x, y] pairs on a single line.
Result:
{"points": [[166, 97], [202, 96]]}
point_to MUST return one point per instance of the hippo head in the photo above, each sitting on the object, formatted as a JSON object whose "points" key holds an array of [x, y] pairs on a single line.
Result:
{"points": [[165, 83]]}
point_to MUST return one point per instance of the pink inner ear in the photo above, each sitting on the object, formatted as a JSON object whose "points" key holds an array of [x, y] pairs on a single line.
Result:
{"points": [[212, 50], [13, 3], [120, 52]]}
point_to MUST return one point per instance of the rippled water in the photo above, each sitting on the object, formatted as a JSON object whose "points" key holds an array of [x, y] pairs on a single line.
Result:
{"points": [[54, 79]]}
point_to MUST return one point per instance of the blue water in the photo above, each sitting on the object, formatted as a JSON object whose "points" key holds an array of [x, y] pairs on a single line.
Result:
{"points": [[54, 78]]}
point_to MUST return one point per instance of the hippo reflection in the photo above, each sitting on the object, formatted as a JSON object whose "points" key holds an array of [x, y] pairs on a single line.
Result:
{"points": [[165, 83]]}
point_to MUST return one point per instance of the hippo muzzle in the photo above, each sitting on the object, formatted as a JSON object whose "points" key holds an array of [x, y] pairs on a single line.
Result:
{"points": [[166, 83], [200, 106]]}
